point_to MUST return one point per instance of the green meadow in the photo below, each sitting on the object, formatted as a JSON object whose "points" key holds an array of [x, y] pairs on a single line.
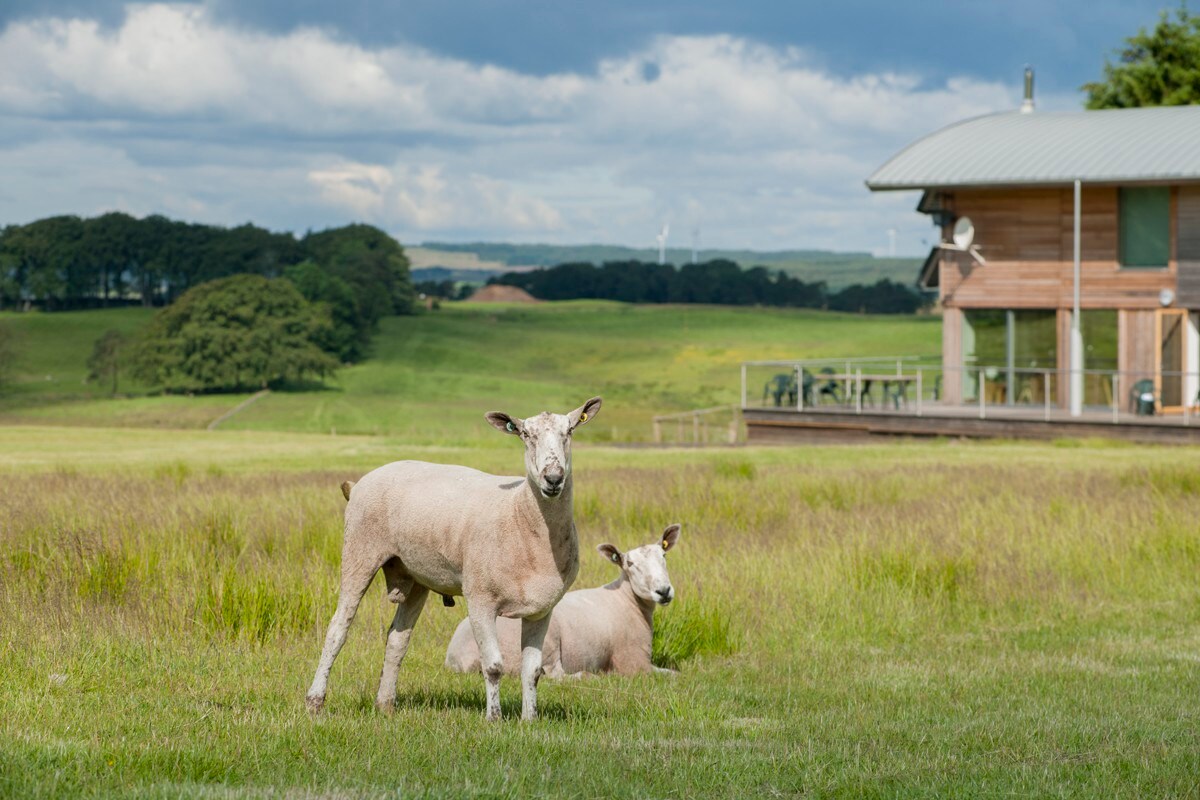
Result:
{"points": [[930, 618], [429, 378]]}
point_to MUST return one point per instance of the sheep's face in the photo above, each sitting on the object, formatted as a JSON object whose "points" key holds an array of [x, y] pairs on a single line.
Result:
{"points": [[547, 439], [645, 567]]}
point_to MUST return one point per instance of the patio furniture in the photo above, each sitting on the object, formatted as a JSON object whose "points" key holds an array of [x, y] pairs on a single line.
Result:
{"points": [[780, 385], [896, 392], [829, 386], [1142, 398]]}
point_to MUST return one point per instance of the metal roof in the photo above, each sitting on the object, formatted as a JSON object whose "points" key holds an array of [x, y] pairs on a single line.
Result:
{"points": [[1135, 145]]}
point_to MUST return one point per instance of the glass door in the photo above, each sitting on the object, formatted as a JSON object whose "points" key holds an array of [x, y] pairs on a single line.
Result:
{"points": [[1171, 359]]}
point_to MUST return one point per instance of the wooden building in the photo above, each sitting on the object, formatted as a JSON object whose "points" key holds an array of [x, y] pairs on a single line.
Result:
{"points": [[1009, 307]]}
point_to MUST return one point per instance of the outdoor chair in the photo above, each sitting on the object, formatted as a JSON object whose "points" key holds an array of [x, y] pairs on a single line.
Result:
{"points": [[896, 392], [1142, 398], [829, 387], [783, 384]]}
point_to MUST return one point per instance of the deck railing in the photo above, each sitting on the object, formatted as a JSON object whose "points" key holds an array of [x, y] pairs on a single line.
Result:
{"points": [[919, 385]]}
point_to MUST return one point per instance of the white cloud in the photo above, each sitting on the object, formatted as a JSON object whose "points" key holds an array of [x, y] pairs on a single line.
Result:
{"points": [[755, 144], [423, 199]]}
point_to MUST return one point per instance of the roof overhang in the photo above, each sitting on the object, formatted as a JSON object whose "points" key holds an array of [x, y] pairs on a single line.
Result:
{"points": [[1051, 149]]}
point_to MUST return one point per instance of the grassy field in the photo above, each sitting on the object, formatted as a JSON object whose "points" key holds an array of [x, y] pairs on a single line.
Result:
{"points": [[910, 619], [429, 376], [917, 619], [50, 376]]}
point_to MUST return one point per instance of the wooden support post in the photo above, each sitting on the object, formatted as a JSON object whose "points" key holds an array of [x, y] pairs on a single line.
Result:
{"points": [[657, 431], [920, 372], [982, 387]]}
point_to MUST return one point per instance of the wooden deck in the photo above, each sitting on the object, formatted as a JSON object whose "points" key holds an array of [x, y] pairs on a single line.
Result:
{"points": [[841, 424]]}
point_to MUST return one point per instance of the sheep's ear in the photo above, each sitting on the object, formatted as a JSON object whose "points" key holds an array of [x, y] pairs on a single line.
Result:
{"points": [[503, 422], [584, 412], [670, 536], [610, 552]]}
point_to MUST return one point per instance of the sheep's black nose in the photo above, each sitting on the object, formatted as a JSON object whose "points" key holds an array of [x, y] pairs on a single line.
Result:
{"points": [[664, 595], [554, 478]]}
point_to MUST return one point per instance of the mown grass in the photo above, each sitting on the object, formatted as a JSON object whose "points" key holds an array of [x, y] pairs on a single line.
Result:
{"points": [[428, 377], [939, 619]]}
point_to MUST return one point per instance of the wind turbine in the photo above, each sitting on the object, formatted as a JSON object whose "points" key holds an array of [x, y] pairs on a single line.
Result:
{"points": [[662, 243], [695, 243]]}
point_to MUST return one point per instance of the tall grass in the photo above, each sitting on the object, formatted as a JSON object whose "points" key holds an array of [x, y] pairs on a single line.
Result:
{"points": [[256, 557], [998, 619]]}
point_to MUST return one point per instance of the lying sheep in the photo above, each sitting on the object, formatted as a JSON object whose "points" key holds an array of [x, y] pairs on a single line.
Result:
{"points": [[506, 544], [606, 629]]}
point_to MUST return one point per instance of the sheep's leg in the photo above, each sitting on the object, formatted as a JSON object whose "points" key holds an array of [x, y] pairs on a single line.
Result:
{"points": [[533, 633], [483, 625], [354, 586], [397, 645]]}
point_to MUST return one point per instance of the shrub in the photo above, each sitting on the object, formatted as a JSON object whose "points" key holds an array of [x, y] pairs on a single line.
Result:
{"points": [[238, 333]]}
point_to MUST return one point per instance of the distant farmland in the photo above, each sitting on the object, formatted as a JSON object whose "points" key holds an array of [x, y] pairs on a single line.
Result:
{"points": [[480, 260]]}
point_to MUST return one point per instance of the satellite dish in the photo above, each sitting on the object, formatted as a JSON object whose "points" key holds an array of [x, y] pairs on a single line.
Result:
{"points": [[964, 240], [1166, 297], [964, 233]]}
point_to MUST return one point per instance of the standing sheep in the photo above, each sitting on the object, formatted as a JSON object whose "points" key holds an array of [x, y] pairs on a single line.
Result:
{"points": [[508, 545], [607, 629]]}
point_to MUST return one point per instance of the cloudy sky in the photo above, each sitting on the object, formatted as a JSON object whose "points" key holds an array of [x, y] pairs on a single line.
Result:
{"points": [[754, 121]]}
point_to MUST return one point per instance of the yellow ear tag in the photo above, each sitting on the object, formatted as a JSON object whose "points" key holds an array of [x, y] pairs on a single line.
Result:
{"points": [[665, 545], [583, 417]]}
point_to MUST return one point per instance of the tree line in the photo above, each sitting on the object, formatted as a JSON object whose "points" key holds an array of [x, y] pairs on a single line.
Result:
{"points": [[718, 282], [357, 272]]}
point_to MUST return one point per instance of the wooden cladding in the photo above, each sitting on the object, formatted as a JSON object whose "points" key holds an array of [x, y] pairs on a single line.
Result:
{"points": [[1027, 237], [1188, 244]]}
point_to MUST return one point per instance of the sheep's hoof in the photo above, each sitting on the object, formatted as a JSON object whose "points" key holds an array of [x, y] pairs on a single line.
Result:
{"points": [[493, 716], [314, 704]]}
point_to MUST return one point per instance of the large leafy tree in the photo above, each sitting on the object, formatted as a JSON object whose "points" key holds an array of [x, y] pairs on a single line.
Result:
{"points": [[236, 333], [372, 263], [1159, 68], [349, 332]]}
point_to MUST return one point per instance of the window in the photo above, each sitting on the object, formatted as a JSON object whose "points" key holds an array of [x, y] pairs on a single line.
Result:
{"points": [[1099, 329], [1144, 226], [1017, 352]]}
